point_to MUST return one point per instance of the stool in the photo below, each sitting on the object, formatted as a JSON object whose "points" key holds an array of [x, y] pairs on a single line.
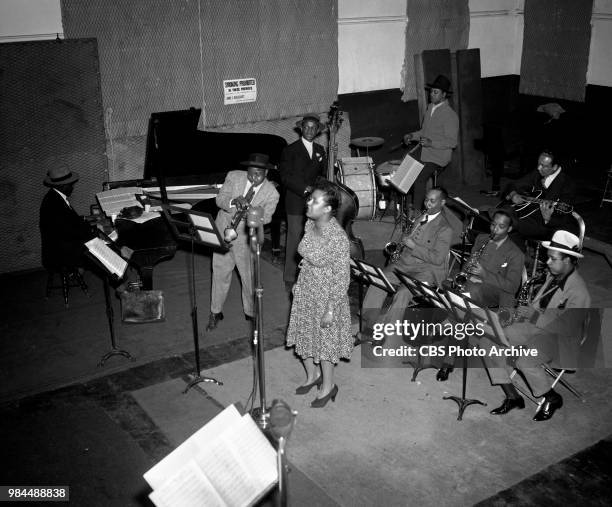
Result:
{"points": [[607, 193], [69, 277]]}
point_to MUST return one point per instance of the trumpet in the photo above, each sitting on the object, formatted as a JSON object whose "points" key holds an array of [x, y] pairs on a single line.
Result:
{"points": [[230, 234], [462, 277], [393, 249]]}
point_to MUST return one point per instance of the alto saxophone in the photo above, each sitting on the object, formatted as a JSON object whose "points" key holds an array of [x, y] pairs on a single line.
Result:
{"points": [[505, 316], [393, 249], [462, 277]]}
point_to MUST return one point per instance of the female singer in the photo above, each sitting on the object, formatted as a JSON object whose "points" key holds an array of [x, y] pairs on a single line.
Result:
{"points": [[320, 323]]}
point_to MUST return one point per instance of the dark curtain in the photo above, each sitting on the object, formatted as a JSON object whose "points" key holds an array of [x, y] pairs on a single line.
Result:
{"points": [[160, 55], [556, 43], [433, 24]]}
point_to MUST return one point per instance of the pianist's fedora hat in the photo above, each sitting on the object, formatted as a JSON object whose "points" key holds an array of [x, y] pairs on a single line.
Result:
{"points": [[565, 242], [441, 83], [311, 117], [60, 175], [258, 160]]}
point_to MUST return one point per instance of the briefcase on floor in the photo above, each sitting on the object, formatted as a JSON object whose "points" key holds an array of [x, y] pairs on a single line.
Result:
{"points": [[141, 306]]}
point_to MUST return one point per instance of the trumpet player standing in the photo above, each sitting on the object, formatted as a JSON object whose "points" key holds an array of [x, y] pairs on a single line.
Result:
{"points": [[240, 190], [424, 255]]}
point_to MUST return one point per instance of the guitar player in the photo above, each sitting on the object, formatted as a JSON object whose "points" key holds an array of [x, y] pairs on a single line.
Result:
{"points": [[543, 201]]}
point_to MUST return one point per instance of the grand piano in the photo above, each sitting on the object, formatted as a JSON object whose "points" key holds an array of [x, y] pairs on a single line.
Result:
{"points": [[178, 154]]}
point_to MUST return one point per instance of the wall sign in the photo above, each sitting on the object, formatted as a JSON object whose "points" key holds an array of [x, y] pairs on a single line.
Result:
{"points": [[237, 91]]}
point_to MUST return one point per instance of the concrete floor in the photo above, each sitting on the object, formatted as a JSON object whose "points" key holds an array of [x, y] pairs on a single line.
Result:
{"points": [[386, 441]]}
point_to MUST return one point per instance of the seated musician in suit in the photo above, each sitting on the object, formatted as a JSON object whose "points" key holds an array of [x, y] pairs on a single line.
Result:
{"points": [[551, 184], [551, 324], [240, 189], [424, 256], [301, 163], [492, 274], [63, 231]]}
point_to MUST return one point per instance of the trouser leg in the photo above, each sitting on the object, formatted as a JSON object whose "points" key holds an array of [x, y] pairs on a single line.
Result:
{"points": [[295, 229], [223, 265], [244, 263]]}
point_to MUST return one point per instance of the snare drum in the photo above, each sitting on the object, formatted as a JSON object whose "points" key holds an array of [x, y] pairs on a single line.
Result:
{"points": [[385, 171]]}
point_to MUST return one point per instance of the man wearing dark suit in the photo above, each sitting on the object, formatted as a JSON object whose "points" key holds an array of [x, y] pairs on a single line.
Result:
{"points": [[239, 189], [424, 256], [63, 231], [300, 164], [493, 278], [554, 184]]}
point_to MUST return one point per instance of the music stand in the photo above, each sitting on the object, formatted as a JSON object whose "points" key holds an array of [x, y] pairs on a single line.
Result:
{"points": [[110, 314], [427, 293], [468, 310], [371, 275], [200, 228]]}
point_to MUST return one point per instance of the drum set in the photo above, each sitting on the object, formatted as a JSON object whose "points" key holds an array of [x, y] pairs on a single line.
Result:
{"points": [[370, 184]]}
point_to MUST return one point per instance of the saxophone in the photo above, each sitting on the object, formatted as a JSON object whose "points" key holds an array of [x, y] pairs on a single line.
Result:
{"points": [[462, 277], [506, 317], [394, 249], [230, 233]]}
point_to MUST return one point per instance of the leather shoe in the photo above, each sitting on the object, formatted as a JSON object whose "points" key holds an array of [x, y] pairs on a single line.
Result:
{"points": [[321, 402], [213, 320], [509, 404], [443, 373], [548, 408], [305, 389]]}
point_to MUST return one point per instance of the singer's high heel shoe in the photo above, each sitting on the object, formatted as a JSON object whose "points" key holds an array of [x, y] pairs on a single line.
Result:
{"points": [[305, 389], [321, 402]]}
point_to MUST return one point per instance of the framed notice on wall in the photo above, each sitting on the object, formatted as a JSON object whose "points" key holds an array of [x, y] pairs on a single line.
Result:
{"points": [[238, 91]]}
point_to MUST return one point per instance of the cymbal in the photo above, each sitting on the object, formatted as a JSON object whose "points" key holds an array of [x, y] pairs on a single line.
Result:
{"points": [[367, 142]]}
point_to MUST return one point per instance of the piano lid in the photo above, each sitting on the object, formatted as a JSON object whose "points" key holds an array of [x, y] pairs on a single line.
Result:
{"points": [[171, 144]]}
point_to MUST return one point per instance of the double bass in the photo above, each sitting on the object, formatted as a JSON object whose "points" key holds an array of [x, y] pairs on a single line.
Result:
{"points": [[349, 203]]}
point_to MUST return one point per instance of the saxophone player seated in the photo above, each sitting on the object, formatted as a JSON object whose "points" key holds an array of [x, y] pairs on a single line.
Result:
{"points": [[423, 255], [240, 190], [492, 275]]}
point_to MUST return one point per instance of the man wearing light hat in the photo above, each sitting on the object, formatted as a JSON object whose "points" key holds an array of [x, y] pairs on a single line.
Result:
{"points": [[300, 164], [552, 325], [63, 231], [437, 136]]}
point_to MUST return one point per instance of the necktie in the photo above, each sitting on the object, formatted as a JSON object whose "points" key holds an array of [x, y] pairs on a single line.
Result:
{"points": [[250, 193], [543, 182]]}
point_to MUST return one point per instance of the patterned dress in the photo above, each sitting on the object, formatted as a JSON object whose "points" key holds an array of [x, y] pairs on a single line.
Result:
{"points": [[324, 277]]}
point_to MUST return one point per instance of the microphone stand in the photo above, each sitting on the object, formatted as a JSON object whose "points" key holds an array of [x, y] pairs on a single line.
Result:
{"points": [[260, 414], [197, 377]]}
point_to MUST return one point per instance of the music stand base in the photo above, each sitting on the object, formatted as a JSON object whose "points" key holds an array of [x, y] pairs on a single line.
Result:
{"points": [[116, 352], [196, 379], [261, 417], [463, 404], [418, 368]]}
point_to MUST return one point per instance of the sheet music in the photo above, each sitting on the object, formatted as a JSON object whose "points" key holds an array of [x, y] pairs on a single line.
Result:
{"points": [[189, 488], [157, 475], [112, 261], [227, 462], [113, 201]]}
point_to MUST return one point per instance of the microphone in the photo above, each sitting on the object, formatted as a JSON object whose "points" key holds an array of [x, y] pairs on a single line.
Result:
{"points": [[281, 419], [254, 222]]}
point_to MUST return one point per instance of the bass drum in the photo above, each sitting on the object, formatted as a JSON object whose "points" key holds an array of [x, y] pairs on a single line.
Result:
{"points": [[356, 173]]}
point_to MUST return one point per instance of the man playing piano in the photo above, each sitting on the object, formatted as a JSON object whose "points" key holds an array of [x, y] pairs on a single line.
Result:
{"points": [[239, 191]]}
